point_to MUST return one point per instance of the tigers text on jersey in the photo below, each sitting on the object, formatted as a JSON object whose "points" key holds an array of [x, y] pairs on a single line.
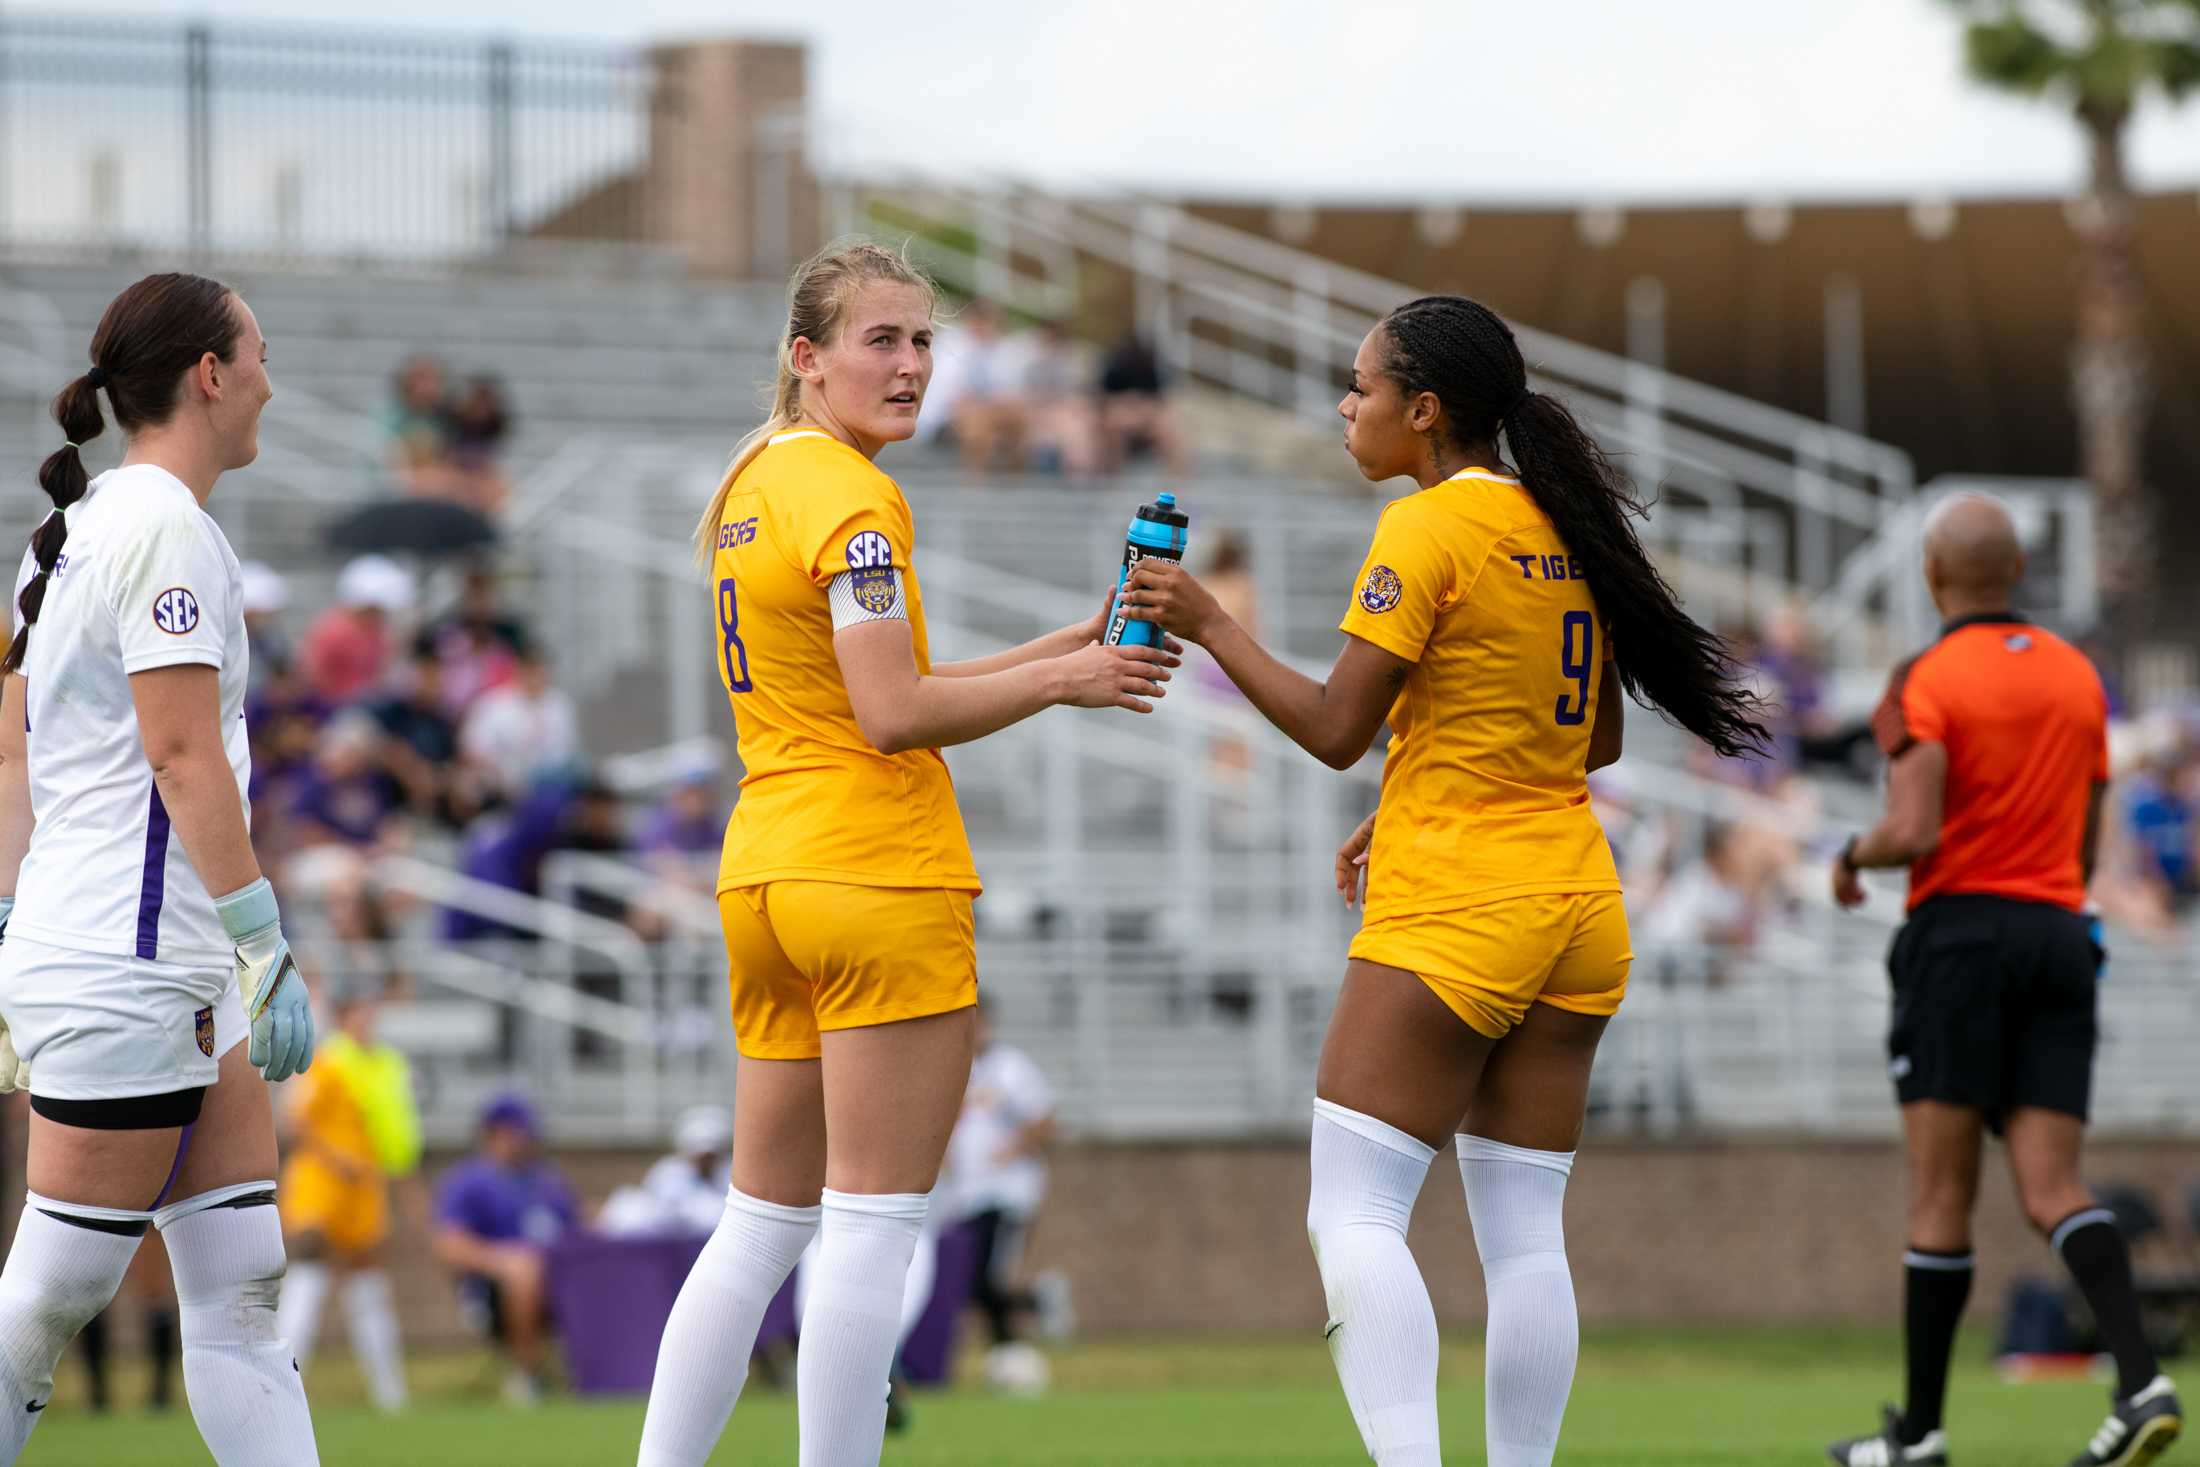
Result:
{"points": [[1485, 791], [818, 802], [146, 580]]}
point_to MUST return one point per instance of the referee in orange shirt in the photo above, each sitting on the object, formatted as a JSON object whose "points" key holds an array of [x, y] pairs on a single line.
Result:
{"points": [[1996, 741]]}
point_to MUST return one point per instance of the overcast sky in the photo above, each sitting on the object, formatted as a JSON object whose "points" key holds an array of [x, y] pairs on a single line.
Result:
{"points": [[1420, 99]]}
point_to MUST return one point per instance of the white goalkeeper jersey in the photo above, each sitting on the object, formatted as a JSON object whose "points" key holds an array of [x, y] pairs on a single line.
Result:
{"points": [[145, 580]]}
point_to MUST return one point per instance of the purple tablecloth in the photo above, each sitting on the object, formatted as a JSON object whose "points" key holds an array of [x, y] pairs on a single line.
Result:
{"points": [[611, 1297]]}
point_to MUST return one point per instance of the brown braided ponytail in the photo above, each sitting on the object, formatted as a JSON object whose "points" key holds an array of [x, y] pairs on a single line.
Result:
{"points": [[149, 336]]}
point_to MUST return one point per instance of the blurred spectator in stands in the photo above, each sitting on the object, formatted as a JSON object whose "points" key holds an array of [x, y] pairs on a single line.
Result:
{"points": [[681, 837], [496, 1212], [2150, 852], [349, 647], [266, 595], [686, 1191], [1062, 422], [996, 1174], [506, 848], [523, 731], [418, 423], [1136, 416], [283, 722], [1710, 913], [1229, 577], [982, 407], [343, 813], [509, 847], [478, 639], [479, 424], [420, 748]]}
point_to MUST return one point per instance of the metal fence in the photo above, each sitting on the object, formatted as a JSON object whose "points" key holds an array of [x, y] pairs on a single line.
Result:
{"points": [[119, 135]]}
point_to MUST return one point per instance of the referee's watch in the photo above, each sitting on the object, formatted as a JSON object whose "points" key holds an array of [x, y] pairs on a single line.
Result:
{"points": [[1847, 858]]}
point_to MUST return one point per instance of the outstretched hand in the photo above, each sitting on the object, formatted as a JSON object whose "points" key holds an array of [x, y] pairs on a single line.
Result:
{"points": [[1171, 597], [1098, 676], [1096, 629]]}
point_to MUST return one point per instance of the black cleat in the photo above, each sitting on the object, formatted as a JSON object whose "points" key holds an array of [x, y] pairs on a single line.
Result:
{"points": [[2138, 1430], [1887, 1449]]}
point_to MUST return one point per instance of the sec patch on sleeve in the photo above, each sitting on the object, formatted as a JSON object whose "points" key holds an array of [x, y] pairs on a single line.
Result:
{"points": [[867, 549], [1382, 590], [176, 611]]}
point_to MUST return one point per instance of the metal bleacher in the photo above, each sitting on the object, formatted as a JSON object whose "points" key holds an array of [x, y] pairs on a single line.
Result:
{"points": [[1158, 929]]}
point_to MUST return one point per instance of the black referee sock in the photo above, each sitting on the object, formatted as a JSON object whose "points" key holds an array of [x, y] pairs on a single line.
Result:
{"points": [[2098, 1258], [1935, 1288]]}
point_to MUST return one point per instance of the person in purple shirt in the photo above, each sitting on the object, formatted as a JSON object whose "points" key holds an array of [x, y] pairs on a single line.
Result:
{"points": [[495, 1214]]}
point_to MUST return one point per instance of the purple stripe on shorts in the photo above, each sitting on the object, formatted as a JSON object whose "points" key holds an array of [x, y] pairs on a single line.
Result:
{"points": [[154, 886]]}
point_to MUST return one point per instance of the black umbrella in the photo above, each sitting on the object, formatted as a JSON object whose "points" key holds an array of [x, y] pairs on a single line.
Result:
{"points": [[415, 526]]}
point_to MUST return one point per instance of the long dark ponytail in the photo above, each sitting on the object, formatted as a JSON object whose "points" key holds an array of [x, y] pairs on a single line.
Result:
{"points": [[1462, 352], [149, 336]]}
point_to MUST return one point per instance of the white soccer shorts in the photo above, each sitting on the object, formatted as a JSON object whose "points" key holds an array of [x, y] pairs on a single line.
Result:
{"points": [[93, 1026]]}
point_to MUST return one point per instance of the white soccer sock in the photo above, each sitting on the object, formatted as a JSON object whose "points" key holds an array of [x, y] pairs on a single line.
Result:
{"points": [[924, 1273], [226, 1248], [298, 1316], [849, 1332], [1516, 1199], [371, 1314], [703, 1360], [59, 1274], [1382, 1328]]}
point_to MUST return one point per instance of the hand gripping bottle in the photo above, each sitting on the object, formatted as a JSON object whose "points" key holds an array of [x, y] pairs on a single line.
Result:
{"points": [[1158, 529]]}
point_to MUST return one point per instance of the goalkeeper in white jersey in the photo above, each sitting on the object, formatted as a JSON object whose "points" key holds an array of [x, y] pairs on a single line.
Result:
{"points": [[139, 943]]}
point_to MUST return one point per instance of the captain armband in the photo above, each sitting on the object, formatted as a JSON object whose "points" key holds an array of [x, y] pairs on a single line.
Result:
{"points": [[872, 593]]}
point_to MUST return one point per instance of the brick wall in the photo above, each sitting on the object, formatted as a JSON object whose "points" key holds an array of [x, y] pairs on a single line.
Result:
{"points": [[1213, 1237]]}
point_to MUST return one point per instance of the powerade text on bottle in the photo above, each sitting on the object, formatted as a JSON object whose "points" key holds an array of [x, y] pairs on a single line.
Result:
{"points": [[1158, 529]]}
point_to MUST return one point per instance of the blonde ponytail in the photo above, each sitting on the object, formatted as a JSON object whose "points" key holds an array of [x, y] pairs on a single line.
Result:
{"points": [[819, 297]]}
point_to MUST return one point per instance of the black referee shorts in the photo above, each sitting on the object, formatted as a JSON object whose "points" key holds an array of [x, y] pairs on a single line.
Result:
{"points": [[1995, 1006]]}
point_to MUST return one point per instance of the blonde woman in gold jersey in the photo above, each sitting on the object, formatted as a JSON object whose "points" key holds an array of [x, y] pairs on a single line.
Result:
{"points": [[846, 884]]}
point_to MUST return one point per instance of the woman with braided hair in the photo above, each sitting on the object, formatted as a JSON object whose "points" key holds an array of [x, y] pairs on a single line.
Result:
{"points": [[139, 943], [1493, 610]]}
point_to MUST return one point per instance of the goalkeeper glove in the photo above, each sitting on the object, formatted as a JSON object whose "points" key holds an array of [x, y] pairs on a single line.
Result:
{"points": [[275, 1000], [14, 1074]]}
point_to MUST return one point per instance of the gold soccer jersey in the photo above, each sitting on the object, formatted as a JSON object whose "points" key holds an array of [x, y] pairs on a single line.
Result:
{"points": [[1485, 793], [818, 802]]}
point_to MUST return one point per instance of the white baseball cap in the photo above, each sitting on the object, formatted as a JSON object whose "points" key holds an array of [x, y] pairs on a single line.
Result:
{"points": [[702, 1130], [377, 581], [264, 587]]}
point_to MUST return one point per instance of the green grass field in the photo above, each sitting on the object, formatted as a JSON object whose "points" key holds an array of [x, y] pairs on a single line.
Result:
{"points": [[1663, 1399]]}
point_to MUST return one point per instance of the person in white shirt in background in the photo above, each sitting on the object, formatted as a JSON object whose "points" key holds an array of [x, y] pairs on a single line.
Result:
{"points": [[687, 1190], [525, 730], [997, 1176]]}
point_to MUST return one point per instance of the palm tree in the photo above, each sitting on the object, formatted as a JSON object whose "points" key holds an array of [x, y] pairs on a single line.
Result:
{"points": [[2101, 57]]}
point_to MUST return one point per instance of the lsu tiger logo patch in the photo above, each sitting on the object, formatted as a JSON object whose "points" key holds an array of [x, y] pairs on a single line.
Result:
{"points": [[873, 587], [1382, 590]]}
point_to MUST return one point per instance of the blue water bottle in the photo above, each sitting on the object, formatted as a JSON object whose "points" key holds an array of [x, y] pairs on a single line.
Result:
{"points": [[1158, 529]]}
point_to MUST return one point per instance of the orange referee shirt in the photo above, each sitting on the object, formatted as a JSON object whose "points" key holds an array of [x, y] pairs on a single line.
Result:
{"points": [[2023, 717]]}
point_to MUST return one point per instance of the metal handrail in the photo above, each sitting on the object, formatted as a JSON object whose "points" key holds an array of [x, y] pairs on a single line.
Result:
{"points": [[567, 872]]}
